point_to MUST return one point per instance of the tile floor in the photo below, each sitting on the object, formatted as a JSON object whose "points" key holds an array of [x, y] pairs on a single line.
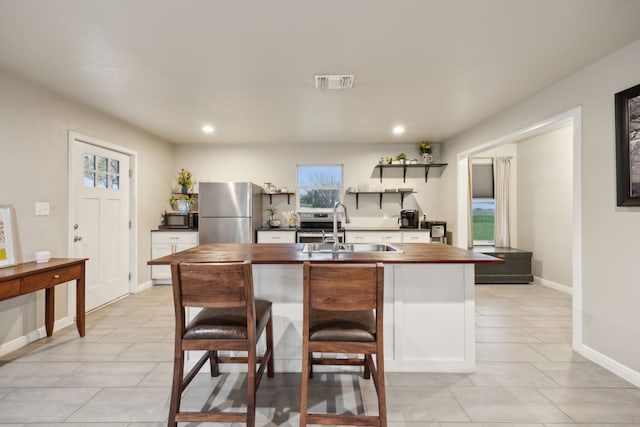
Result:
{"points": [[120, 374]]}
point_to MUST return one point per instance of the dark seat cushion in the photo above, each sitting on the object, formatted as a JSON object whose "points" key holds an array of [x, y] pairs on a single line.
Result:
{"points": [[358, 326], [225, 323]]}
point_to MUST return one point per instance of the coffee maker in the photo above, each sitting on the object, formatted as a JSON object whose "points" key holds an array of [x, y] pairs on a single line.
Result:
{"points": [[409, 218]]}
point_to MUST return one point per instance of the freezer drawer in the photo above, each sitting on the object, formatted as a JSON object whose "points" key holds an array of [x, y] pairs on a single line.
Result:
{"points": [[225, 230]]}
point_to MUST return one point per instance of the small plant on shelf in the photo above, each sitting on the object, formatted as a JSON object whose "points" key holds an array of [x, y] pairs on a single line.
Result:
{"points": [[401, 158], [273, 221]]}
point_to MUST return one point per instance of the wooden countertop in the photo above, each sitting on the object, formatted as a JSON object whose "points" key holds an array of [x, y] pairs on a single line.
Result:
{"points": [[277, 253]]}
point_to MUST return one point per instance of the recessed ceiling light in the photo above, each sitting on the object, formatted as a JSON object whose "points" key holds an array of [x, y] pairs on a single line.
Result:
{"points": [[207, 129], [398, 130]]}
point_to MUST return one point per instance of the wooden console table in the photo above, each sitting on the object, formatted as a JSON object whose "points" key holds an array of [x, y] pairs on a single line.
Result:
{"points": [[29, 277]]}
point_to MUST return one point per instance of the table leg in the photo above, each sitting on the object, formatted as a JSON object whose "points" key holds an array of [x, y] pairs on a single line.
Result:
{"points": [[49, 297], [80, 314]]}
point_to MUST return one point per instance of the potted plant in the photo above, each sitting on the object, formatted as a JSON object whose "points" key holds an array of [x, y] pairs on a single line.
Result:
{"points": [[185, 180], [273, 221], [425, 150], [400, 158], [181, 202]]}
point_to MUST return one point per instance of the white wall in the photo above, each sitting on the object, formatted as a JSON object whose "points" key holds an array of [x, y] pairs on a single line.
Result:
{"points": [[609, 281], [277, 164], [34, 125], [545, 213]]}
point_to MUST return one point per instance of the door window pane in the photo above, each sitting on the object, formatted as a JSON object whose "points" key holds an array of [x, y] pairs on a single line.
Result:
{"points": [[89, 179], [102, 180], [115, 182], [89, 161], [102, 164], [114, 166]]}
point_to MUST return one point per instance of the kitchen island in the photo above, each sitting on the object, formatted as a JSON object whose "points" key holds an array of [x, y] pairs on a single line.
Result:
{"points": [[429, 306]]}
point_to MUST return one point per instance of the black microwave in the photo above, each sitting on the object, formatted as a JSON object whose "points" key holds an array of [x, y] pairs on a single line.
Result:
{"points": [[179, 220]]}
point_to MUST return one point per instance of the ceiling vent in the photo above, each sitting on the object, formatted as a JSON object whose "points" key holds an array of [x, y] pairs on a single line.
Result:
{"points": [[333, 81]]}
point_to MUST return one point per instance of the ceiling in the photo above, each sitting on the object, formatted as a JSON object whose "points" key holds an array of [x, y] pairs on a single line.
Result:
{"points": [[247, 67]]}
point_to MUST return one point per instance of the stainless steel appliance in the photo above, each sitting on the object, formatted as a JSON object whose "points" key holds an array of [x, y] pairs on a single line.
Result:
{"points": [[179, 220], [230, 212], [438, 231], [409, 218], [314, 227]]}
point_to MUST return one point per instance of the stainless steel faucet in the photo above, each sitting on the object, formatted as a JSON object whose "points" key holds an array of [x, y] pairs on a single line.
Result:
{"points": [[336, 243]]}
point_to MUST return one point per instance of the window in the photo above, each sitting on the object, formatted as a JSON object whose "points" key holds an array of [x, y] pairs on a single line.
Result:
{"points": [[319, 187], [101, 172], [483, 206]]}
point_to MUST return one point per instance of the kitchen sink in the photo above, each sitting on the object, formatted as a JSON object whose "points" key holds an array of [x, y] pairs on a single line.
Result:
{"points": [[350, 248]]}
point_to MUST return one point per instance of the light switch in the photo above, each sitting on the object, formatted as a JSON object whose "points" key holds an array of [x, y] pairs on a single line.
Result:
{"points": [[42, 208]]}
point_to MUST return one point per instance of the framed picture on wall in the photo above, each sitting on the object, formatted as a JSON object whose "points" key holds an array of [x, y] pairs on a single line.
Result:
{"points": [[627, 107], [7, 251]]}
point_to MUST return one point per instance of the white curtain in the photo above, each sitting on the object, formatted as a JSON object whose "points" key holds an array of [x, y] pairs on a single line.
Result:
{"points": [[501, 172], [470, 205]]}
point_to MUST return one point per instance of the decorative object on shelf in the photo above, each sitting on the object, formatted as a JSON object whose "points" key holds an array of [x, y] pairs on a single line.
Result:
{"points": [[293, 218], [273, 221], [7, 249], [400, 159], [185, 180], [425, 150], [627, 115], [384, 160], [179, 202], [269, 188], [184, 206]]}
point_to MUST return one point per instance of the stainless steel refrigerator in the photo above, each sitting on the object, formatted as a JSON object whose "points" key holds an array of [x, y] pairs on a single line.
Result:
{"points": [[229, 212]]}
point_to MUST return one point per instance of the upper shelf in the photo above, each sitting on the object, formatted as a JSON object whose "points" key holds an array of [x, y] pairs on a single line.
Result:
{"points": [[288, 194], [405, 166], [380, 193]]}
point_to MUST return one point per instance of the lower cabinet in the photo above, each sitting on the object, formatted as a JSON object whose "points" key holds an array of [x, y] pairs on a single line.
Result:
{"points": [[276, 236], [166, 243], [422, 236], [387, 236]]}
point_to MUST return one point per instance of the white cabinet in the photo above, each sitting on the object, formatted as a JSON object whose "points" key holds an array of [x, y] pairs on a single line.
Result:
{"points": [[388, 236], [166, 243], [276, 236], [421, 236], [391, 236]]}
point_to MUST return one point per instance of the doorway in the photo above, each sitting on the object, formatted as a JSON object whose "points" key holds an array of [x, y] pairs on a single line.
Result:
{"points": [[100, 217], [570, 118]]}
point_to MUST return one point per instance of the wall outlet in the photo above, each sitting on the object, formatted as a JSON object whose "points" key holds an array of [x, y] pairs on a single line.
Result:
{"points": [[42, 208]]}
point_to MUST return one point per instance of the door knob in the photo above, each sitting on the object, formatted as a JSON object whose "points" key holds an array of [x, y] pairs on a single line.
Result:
{"points": [[77, 238]]}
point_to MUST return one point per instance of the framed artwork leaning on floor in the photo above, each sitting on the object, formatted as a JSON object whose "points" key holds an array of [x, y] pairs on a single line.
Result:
{"points": [[627, 107], [7, 251]]}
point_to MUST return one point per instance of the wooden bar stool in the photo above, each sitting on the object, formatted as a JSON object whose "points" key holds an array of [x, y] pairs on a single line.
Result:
{"points": [[342, 313], [231, 319]]}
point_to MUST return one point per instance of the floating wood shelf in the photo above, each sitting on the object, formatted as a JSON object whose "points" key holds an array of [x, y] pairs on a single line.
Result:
{"points": [[406, 166], [380, 193]]}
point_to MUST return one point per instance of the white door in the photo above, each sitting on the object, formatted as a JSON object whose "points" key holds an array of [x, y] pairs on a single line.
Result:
{"points": [[100, 219]]}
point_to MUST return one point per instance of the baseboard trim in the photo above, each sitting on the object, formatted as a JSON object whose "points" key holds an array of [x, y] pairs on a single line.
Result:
{"points": [[553, 285], [608, 363], [16, 344], [142, 286]]}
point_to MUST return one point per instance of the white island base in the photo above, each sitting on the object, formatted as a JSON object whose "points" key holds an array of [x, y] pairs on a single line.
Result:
{"points": [[429, 316]]}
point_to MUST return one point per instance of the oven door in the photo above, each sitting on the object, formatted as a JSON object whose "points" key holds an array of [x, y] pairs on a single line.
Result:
{"points": [[316, 236]]}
